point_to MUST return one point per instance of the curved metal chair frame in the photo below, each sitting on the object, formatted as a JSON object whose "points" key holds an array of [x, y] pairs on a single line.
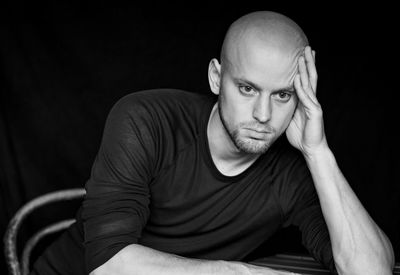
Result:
{"points": [[16, 267]]}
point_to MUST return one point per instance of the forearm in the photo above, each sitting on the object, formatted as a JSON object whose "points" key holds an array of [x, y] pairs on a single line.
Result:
{"points": [[137, 260], [358, 244]]}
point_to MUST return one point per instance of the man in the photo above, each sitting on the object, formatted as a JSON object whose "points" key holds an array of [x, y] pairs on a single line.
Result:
{"points": [[187, 184]]}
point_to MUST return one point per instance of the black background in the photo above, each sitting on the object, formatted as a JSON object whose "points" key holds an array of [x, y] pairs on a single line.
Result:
{"points": [[63, 66]]}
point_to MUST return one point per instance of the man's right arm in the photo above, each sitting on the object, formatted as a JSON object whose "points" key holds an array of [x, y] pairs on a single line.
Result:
{"points": [[136, 259]]}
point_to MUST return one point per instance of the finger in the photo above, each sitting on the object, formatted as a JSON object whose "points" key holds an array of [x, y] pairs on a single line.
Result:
{"points": [[307, 99], [311, 69], [304, 74], [316, 78], [303, 98]]}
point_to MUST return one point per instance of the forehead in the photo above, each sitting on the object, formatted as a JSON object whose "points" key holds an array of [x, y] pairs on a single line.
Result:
{"points": [[271, 66]]}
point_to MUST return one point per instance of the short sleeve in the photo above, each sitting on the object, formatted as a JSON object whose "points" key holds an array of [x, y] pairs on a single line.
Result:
{"points": [[302, 208], [116, 207]]}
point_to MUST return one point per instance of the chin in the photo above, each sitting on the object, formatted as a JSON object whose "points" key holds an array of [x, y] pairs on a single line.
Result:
{"points": [[253, 146]]}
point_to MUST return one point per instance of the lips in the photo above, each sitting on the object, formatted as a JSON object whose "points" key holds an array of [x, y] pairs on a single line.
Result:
{"points": [[262, 131], [257, 133]]}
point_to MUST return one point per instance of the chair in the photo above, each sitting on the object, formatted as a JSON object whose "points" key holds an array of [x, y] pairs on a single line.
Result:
{"points": [[289, 262], [21, 267]]}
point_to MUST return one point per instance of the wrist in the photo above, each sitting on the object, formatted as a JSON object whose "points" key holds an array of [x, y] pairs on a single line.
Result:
{"points": [[317, 153]]}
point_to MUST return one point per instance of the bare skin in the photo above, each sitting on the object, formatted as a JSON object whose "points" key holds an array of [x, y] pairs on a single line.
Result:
{"points": [[254, 52], [267, 83]]}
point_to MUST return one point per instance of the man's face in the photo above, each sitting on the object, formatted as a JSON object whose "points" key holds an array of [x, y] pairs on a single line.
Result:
{"points": [[257, 98]]}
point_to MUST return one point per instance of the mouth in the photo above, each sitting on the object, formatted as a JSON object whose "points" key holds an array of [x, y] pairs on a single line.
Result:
{"points": [[257, 134], [261, 131]]}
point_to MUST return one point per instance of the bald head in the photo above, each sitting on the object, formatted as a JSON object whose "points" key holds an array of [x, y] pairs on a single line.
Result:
{"points": [[262, 30]]}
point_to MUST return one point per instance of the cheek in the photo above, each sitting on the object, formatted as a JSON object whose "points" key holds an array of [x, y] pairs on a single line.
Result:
{"points": [[235, 107]]}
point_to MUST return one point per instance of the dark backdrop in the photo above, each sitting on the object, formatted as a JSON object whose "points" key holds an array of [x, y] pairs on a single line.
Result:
{"points": [[63, 66]]}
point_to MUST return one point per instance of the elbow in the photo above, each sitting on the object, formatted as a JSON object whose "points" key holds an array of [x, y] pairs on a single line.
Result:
{"points": [[97, 271], [118, 264], [367, 263], [109, 267], [369, 259], [381, 269], [101, 270]]}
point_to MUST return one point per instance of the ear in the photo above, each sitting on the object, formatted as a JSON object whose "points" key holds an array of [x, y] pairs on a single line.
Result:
{"points": [[214, 76]]}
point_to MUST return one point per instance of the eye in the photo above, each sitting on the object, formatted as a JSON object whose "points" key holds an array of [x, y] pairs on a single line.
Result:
{"points": [[283, 96], [246, 89]]}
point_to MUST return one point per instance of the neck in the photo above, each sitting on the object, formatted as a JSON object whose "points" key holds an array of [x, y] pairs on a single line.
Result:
{"points": [[226, 156]]}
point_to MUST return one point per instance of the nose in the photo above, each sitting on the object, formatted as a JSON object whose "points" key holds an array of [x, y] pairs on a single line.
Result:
{"points": [[262, 108]]}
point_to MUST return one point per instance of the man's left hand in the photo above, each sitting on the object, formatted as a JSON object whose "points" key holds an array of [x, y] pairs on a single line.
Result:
{"points": [[306, 129]]}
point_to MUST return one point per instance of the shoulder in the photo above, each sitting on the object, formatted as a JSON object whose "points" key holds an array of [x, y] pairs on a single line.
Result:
{"points": [[293, 184], [289, 168], [163, 107], [162, 99], [286, 158]]}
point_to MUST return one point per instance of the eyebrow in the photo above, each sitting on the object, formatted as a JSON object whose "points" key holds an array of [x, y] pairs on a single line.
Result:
{"points": [[289, 88]]}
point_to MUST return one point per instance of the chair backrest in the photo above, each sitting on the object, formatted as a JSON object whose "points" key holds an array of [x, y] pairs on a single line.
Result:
{"points": [[21, 267]]}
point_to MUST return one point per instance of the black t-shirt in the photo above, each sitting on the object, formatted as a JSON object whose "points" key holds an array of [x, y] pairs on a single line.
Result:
{"points": [[153, 182]]}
